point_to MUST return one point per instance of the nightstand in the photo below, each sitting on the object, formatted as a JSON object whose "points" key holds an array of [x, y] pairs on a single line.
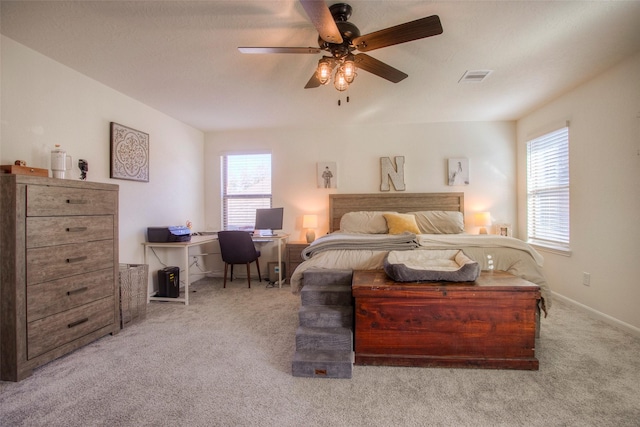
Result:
{"points": [[293, 257]]}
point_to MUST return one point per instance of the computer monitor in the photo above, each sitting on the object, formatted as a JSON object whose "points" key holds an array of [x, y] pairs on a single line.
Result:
{"points": [[269, 219]]}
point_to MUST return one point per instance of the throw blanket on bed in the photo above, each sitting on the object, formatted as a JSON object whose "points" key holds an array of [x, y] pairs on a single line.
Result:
{"points": [[444, 241], [375, 242]]}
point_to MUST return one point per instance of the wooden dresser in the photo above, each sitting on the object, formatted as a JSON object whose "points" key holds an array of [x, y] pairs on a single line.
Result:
{"points": [[59, 276], [293, 257]]}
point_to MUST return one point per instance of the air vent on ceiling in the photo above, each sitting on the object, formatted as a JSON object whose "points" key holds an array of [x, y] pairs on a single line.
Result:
{"points": [[474, 76]]}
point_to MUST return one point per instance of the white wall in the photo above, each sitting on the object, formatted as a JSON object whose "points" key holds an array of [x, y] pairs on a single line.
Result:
{"points": [[45, 103], [489, 147], [604, 151]]}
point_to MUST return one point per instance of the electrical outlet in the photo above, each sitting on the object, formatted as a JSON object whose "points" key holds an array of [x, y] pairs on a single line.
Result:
{"points": [[586, 279]]}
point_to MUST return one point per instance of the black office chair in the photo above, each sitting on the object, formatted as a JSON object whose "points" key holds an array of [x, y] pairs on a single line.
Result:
{"points": [[237, 247]]}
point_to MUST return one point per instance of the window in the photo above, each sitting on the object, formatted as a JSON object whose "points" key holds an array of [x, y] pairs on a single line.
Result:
{"points": [[246, 186], [548, 190]]}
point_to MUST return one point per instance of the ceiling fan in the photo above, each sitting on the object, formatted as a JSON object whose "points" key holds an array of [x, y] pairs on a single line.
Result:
{"points": [[340, 38]]}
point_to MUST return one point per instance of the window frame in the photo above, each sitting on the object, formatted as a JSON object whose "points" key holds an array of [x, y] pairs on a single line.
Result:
{"points": [[257, 199], [548, 191]]}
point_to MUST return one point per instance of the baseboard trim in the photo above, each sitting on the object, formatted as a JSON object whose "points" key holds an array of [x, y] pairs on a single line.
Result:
{"points": [[600, 316]]}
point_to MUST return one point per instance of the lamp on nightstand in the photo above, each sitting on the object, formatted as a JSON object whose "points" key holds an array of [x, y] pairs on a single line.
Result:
{"points": [[482, 220], [310, 222]]}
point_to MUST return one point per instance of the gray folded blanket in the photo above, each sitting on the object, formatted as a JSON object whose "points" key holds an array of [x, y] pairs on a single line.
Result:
{"points": [[376, 242]]}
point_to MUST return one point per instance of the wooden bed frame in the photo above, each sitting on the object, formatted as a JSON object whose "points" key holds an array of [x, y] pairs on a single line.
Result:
{"points": [[478, 325], [340, 204]]}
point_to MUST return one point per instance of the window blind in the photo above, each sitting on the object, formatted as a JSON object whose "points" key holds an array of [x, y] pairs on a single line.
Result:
{"points": [[548, 189], [246, 186]]}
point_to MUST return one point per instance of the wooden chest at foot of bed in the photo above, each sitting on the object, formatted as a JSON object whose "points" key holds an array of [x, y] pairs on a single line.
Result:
{"points": [[489, 323]]}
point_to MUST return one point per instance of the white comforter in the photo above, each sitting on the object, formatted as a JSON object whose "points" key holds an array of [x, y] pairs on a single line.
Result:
{"points": [[508, 254]]}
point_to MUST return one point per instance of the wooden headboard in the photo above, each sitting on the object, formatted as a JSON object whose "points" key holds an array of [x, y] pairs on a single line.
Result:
{"points": [[340, 204]]}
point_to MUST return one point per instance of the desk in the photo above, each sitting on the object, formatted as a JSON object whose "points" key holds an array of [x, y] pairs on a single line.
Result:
{"points": [[280, 238], [184, 246], [202, 240]]}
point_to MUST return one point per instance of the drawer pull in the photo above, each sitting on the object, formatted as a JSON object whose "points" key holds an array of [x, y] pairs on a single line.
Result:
{"points": [[77, 291], [76, 229], [76, 202], [78, 322], [78, 259]]}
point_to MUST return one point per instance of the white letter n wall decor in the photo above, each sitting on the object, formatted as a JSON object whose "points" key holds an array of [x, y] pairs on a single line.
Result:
{"points": [[389, 172]]}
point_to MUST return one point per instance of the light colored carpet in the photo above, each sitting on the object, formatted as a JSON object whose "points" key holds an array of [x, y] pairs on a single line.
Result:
{"points": [[225, 360]]}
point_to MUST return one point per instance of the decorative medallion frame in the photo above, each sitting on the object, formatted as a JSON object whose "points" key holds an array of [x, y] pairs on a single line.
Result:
{"points": [[129, 153]]}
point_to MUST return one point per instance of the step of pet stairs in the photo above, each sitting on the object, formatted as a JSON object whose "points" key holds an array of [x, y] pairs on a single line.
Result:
{"points": [[323, 364], [327, 277], [315, 294], [326, 316], [340, 339]]}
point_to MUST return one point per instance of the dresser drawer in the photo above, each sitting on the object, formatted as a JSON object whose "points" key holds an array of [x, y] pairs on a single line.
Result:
{"points": [[294, 251], [46, 334], [51, 263], [294, 255], [45, 299], [60, 230], [293, 266], [58, 201]]}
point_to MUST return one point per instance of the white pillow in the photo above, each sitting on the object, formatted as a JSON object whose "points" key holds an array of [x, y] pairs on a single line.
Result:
{"points": [[440, 222], [369, 222]]}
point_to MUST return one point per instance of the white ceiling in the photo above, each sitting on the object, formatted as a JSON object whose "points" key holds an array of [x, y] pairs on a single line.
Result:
{"points": [[181, 57]]}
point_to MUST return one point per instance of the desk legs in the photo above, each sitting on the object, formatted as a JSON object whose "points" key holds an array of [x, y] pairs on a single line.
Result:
{"points": [[146, 261], [279, 263], [186, 281], [187, 276]]}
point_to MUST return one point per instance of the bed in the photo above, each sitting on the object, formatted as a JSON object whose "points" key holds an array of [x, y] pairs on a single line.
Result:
{"points": [[491, 322], [368, 251]]}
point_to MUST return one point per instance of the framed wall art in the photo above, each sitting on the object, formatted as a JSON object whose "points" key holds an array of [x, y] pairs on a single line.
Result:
{"points": [[129, 153], [327, 173], [458, 171]]}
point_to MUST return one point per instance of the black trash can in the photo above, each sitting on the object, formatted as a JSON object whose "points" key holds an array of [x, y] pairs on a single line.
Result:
{"points": [[169, 282]]}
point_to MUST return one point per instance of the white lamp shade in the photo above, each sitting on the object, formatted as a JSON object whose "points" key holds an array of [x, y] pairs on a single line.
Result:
{"points": [[482, 220], [310, 221]]}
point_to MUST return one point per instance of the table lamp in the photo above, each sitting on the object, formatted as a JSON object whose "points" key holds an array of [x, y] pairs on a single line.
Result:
{"points": [[482, 220], [310, 222]]}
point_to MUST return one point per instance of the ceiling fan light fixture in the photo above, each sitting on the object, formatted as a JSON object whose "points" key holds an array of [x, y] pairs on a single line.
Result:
{"points": [[348, 69], [323, 73], [340, 82]]}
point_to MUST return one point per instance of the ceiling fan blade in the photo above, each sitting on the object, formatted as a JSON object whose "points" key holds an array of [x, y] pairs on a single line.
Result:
{"points": [[313, 50], [414, 30], [379, 68], [321, 18], [313, 82]]}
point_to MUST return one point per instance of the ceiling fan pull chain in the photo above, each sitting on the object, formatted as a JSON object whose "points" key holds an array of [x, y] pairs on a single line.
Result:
{"points": [[340, 101]]}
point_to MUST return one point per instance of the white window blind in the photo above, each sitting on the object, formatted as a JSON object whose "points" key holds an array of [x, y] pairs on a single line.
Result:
{"points": [[548, 190], [246, 186]]}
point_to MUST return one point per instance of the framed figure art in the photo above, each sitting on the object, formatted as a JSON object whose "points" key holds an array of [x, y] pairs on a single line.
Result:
{"points": [[129, 153], [327, 175], [458, 171]]}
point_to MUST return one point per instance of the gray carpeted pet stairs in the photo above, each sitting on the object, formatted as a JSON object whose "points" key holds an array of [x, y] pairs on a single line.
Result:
{"points": [[324, 339]]}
